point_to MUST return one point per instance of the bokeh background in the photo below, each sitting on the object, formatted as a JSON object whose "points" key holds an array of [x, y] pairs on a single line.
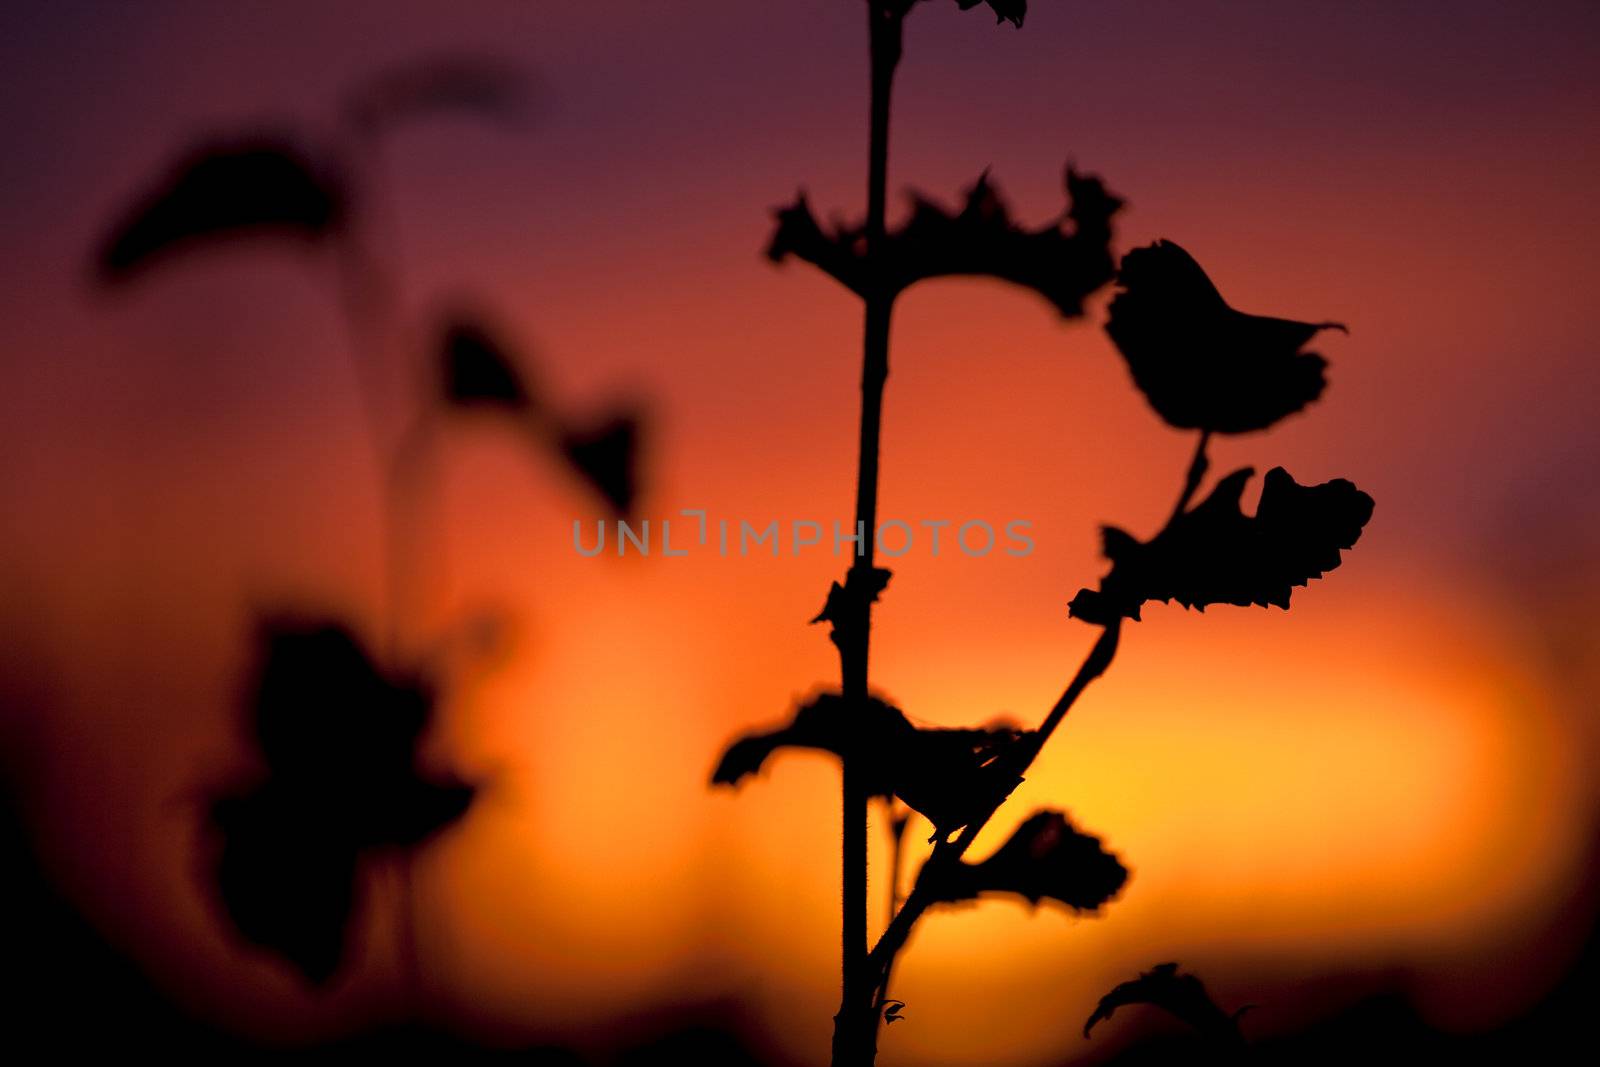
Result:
{"points": [[1385, 792]]}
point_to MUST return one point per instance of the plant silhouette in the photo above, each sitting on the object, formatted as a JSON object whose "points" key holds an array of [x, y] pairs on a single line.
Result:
{"points": [[337, 726], [1204, 367], [1181, 995], [339, 740]]}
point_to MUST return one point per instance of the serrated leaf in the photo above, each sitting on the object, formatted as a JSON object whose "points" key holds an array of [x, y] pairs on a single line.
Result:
{"points": [[1063, 261], [1181, 995], [1012, 11], [948, 776], [1215, 554], [1046, 858], [1201, 364], [221, 190]]}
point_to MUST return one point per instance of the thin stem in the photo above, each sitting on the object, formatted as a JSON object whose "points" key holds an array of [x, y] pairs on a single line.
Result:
{"points": [[855, 1025], [1191, 480], [921, 898]]}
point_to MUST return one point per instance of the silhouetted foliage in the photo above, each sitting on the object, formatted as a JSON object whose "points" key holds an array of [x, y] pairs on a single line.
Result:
{"points": [[1215, 554], [844, 607], [1182, 995], [339, 738], [606, 454], [1011, 11], [226, 189], [477, 373], [466, 83], [1201, 364], [948, 776], [1063, 261], [1046, 858]]}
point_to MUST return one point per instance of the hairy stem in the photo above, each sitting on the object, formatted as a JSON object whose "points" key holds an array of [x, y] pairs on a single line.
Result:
{"points": [[855, 1025]]}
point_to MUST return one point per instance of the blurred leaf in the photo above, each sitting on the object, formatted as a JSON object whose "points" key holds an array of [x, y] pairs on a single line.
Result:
{"points": [[949, 776], [1046, 858], [477, 373], [286, 875], [1201, 364], [1063, 261], [1004, 10], [606, 455], [1215, 554], [223, 190], [481, 85], [1182, 995], [339, 739], [893, 1010]]}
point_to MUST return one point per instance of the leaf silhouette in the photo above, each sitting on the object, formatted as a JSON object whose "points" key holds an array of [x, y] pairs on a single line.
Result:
{"points": [[1215, 554], [949, 776], [286, 875], [339, 739], [1046, 858], [220, 190], [606, 455], [1063, 261], [1182, 995], [477, 373], [1201, 364], [480, 85], [1011, 11]]}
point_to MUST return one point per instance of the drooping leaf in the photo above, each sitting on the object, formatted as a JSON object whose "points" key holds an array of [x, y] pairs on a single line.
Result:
{"points": [[949, 776], [1182, 995], [474, 84], [477, 372], [1047, 858], [225, 189], [286, 875], [339, 739], [1063, 261], [606, 455], [1215, 554], [1011, 11], [1201, 364], [845, 610]]}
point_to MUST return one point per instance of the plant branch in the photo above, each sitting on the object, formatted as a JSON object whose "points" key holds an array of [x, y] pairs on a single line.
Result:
{"points": [[855, 1025], [945, 853]]}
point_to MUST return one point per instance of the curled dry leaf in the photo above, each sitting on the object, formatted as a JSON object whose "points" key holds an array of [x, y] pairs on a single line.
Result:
{"points": [[225, 189], [845, 610], [1047, 858], [1215, 554], [1201, 364], [339, 739], [1063, 261], [1181, 995], [948, 776]]}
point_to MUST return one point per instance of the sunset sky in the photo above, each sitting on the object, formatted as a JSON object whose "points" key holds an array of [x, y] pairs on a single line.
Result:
{"points": [[1389, 785]]}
